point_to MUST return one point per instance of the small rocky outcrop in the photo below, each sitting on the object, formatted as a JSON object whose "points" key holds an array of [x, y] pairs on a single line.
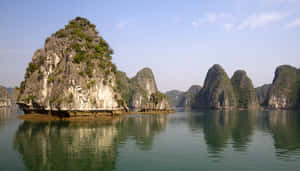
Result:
{"points": [[175, 97], [183, 99], [262, 93], [244, 90], [285, 89], [217, 91], [5, 97], [72, 73], [141, 93], [190, 95]]}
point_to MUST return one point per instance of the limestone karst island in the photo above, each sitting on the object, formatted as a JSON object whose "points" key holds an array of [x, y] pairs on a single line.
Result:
{"points": [[104, 85], [73, 75]]}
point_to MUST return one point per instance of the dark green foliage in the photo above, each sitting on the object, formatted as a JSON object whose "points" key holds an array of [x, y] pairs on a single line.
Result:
{"points": [[51, 78], [89, 69], [79, 57], [32, 67], [41, 60], [157, 97], [113, 68], [87, 51], [243, 88], [104, 82], [47, 39], [29, 98], [22, 87], [124, 87], [81, 73], [262, 94], [121, 102], [287, 83], [70, 98], [53, 99], [61, 33], [90, 84], [77, 47], [217, 91], [59, 101]]}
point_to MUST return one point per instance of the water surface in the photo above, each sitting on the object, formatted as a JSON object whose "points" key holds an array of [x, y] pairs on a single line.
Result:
{"points": [[187, 140]]}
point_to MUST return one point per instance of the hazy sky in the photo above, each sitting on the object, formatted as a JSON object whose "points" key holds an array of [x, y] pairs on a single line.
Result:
{"points": [[179, 40]]}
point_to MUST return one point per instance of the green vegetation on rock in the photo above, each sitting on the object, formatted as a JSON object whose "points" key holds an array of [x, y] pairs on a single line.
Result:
{"points": [[217, 91], [244, 90], [285, 90], [262, 94]]}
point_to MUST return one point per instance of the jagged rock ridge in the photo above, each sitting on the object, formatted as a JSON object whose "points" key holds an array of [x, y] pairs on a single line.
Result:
{"points": [[262, 93], [141, 93], [183, 99], [217, 91], [72, 72], [5, 97], [189, 96]]}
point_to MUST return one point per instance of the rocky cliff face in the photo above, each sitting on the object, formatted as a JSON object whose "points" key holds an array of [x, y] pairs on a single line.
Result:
{"points": [[72, 72], [5, 97], [262, 93], [190, 95], [183, 99], [217, 91], [244, 90], [285, 89], [175, 97], [141, 93]]}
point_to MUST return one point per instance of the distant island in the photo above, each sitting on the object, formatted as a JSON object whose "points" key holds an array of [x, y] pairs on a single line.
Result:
{"points": [[220, 92], [5, 97]]}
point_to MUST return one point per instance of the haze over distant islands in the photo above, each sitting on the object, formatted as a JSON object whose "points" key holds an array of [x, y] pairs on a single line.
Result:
{"points": [[178, 41]]}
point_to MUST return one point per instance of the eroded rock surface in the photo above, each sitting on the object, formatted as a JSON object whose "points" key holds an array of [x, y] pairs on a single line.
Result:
{"points": [[285, 89], [5, 97], [244, 90], [217, 91], [72, 72], [141, 92], [262, 93]]}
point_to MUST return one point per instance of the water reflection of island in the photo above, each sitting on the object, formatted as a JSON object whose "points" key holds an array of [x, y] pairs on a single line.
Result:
{"points": [[82, 146], [219, 127], [7, 113], [285, 126]]}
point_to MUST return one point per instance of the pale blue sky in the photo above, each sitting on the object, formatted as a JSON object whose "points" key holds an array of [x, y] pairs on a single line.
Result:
{"points": [[180, 40]]}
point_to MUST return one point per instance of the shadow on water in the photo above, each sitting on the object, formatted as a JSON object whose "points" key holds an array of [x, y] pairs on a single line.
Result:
{"points": [[83, 145]]}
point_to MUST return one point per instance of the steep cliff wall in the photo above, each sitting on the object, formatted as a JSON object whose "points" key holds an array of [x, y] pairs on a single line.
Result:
{"points": [[5, 97], [285, 89], [217, 91], [141, 93], [244, 90], [189, 96], [262, 93], [72, 72]]}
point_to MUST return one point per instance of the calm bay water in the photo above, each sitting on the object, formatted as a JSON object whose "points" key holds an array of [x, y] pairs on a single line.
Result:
{"points": [[187, 140]]}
